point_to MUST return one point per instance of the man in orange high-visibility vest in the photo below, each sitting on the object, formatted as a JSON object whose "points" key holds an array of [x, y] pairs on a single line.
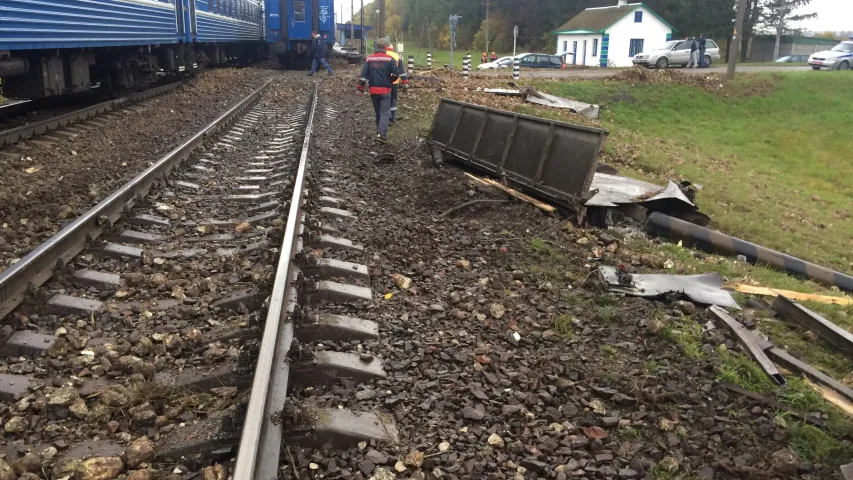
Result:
{"points": [[401, 80]]}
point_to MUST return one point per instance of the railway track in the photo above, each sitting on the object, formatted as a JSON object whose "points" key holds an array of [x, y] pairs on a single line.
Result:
{"points": [[13, 133], [160, 322]]}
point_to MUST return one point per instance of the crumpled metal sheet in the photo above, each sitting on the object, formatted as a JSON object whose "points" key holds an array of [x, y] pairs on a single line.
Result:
{"points": [[534, 96], [706, 288], [615, 190]]}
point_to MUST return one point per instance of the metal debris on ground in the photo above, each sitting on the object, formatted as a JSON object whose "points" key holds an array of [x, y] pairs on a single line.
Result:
{"points": [[789, 362], [751, 342], [804, 416], [798, 296], [832, 333], [380, 158], [705, 289], [614, 191], [555, 159], [712, 241], [501, 91], [531, 95]]}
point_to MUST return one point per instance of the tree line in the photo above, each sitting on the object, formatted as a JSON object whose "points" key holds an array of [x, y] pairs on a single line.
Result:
{"points": [[426, 21]]}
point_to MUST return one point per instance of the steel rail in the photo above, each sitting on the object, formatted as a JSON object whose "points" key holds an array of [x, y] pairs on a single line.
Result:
{"points": [[38, 266], [24, 132], [260, 443]]}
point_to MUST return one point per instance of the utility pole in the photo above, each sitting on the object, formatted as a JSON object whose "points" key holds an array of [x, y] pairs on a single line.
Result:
{"points": [[741, 13], [381, 22], [352, 21], [454, 20], [362, 27], [487, 4]]}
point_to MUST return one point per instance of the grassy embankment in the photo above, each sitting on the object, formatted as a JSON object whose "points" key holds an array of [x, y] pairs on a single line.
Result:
{"points": [[772, 156]]}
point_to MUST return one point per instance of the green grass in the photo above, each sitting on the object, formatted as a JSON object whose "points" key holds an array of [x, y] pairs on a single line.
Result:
{"points": [[769, 165], [739, 370], [564, 326], [687, 334], [815, 445], [768, 64]]}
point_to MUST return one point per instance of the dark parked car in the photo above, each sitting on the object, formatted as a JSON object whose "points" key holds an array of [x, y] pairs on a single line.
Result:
{"points": [[793, 59], [540, 60]]}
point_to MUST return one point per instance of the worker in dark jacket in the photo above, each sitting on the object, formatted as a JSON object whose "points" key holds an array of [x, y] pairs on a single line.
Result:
{"points": [[379, 73], [702, 50], [318, 52]]}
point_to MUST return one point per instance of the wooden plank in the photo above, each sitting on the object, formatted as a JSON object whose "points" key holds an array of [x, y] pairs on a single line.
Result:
{"points": [[798, 296], [832, 397], [515, 193]]}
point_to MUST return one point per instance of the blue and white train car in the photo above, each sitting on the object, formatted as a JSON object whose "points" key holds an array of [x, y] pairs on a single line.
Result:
{"points": [[289, 24], [56, 47]]}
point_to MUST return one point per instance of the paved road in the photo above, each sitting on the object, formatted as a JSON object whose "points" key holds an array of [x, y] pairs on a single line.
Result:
{"points": [[594, 73]]}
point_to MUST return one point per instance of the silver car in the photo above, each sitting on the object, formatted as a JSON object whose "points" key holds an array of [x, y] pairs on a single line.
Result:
{"points": [[839, 57], [675, 52]]}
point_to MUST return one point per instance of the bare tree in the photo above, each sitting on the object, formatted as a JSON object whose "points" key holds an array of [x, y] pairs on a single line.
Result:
{"points": [[779, 14]]}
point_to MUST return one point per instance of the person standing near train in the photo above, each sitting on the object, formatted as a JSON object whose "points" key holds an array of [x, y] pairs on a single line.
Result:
{"points": [[318, 52]]}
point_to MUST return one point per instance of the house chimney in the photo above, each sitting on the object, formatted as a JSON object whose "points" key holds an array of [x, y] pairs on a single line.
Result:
{"points": [[622, 3]]}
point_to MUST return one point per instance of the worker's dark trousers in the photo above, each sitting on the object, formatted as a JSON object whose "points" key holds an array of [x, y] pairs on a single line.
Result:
{"points": [[702, 57], [382, 107], [394, 91]]}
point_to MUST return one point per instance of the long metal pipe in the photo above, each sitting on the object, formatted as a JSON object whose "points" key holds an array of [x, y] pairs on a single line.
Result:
{"points": [[713, 241], [14, 67]]}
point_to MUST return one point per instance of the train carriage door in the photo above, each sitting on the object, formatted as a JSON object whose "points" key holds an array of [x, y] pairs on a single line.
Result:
{"points": [[315, 17], [192, 21], [179, 17]]}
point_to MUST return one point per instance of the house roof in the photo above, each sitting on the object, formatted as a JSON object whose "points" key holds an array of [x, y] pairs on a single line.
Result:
{"points": [[596, 20]]}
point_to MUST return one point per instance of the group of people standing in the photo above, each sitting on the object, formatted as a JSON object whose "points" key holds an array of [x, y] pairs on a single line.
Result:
{"points": [[697, 52], [382, 75], [485, 58]]}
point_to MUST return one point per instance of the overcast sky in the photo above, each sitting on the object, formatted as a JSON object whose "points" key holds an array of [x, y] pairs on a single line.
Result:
{"points": [[834, 15]]}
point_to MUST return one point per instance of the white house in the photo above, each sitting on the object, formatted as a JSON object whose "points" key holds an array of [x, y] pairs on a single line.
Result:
{"points": [[611, 36]]}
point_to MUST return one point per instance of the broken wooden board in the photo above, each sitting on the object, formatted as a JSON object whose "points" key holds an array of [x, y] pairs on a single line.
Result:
{"points": [[515, 193], [798, 296], [832, 397]]}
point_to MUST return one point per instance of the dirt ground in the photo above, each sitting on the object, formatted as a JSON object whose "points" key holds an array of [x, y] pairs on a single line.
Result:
{"points": [[504, 357]]}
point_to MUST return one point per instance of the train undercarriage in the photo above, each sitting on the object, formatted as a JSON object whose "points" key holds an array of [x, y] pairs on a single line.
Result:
{"points": [[40, 74]]}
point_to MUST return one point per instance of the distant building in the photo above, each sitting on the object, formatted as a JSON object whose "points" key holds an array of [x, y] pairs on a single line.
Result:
{"points": [[612, 35], [344, 30], [763, 46]]}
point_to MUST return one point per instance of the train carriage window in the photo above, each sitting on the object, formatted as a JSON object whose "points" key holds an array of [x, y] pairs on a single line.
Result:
{"points": [[298, 11]]}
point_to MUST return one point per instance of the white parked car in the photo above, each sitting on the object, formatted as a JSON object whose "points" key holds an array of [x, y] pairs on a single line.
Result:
{"points": [[839, 57], [675, 52], [503, 62]]}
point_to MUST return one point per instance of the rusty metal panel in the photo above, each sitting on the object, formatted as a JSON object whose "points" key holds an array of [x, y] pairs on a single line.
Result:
{"points": [[555, 159]]}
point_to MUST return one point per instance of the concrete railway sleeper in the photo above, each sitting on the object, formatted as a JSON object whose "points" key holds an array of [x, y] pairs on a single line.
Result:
{"points": [[155, 331]]}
